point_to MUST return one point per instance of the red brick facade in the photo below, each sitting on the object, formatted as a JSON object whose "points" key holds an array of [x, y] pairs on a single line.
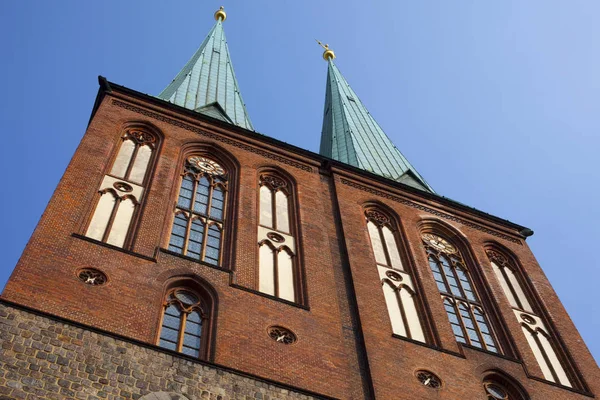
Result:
{"points": [[345, 346]]}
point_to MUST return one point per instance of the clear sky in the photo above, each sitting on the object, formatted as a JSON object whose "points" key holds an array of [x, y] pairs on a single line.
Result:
{"points": [[495, 103]]}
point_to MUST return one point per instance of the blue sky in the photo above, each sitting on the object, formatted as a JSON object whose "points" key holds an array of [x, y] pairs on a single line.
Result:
{"points": [[495, 103]]}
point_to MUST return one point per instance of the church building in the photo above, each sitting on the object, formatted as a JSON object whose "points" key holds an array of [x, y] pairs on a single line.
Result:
{"points": [[184, 255]]}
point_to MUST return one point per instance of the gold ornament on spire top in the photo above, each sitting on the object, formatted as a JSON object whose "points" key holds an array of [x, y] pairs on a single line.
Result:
{"points": [[221, 15], [328, 54]]}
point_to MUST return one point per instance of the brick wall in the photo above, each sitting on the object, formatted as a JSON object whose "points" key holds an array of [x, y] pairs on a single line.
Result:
{"points": [[345, 345]]}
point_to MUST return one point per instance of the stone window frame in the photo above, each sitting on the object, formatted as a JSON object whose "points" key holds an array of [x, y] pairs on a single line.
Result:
{"points": [[533, 319], [123, 184], [276, 179], [209, 300], [493, 317], [229, 221], [381, 215]]}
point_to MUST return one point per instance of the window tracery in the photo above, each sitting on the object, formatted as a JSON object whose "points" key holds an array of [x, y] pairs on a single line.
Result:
{"points": [[197, 230], [398, 289], [123, 189], [184, 322], [499, 387], [538, 337], [278, 273], [464, 309]]}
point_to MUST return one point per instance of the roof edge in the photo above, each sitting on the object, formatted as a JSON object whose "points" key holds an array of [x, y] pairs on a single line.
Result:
{"points": [[109, 87]]}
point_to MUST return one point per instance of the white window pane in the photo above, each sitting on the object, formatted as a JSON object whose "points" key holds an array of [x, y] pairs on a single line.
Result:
{"points": [[376, 243], [517, 286], [123, 158], [410, 309], [504, 284], [266, 272], [118, 232], [142, 158], [562, 376], [538, 354], [266, 208], [101, 216], [393, 307], [392, 247], [286, 276], [283, 219]]}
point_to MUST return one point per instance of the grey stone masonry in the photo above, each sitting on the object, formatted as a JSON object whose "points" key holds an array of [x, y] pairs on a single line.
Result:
{"points": [[45, 358]]}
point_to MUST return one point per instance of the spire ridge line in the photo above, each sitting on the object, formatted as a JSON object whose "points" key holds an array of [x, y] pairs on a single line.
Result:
{"points": [[351, 135], [208, 78]]}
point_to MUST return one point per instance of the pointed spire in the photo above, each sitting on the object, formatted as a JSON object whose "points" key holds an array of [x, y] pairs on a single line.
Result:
{"points": [[208, 78], [351, 135]]}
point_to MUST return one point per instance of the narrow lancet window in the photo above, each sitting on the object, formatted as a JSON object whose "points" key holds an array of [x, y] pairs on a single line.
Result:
{"points": [[122, 190], [398, 289], [198, 225], [184, 322], [277, 257], [463, 306], [534, 329]]}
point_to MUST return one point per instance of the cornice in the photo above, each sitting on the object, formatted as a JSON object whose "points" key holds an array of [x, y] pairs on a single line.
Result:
{"points": [[220, 138], [327, 165], [438, 213]]}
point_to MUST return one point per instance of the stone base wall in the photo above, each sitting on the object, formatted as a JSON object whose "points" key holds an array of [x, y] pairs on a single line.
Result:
{"points": [[44, 358]]}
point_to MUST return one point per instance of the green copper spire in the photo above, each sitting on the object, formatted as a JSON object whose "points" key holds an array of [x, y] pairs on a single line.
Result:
{"points": [[207, 82], [351, 135]]}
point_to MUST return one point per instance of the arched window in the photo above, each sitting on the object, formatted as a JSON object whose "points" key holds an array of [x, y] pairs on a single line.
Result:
{"points": [[200, 213], [533, 327], [123, 189], [398, 288], [278, 273], [499, 387], [463, 306], [185, 321]]}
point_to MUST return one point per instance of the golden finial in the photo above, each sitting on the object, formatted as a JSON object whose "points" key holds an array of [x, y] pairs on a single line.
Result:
{"points": [[328, 54], [220, 15]]}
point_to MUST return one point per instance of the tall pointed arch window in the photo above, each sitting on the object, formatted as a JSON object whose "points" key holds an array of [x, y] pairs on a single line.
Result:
{"points": [[123, 188], [398, 288], [185, 322], [198, 225], [538, 336], [462, 303], [278, 273]]}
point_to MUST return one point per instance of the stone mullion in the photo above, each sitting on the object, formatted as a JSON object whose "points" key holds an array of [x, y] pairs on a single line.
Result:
{"points": [[476, 324], [184, 315], [276, 271], [457, 304], [131, 160], [403, 312], [443, 274], [273, 208], [536, 334], [386, 253], [111, 219], [510, 286], [207, 223], [457, 279]]}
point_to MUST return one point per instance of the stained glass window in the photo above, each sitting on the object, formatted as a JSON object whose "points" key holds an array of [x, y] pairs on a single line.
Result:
{"points": [[184, 316], [197, 230], [463, 307]]}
